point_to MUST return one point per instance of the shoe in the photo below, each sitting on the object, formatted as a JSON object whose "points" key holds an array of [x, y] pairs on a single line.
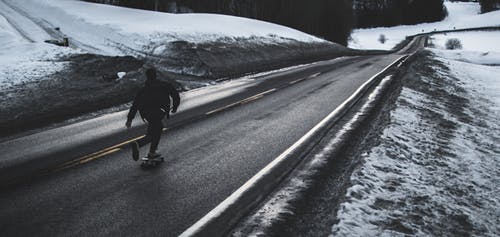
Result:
{"points": [[135, 151], [152, 155]]}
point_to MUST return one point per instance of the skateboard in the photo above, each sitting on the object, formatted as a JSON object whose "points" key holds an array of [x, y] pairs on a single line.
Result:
{"points": [[151, 162]]}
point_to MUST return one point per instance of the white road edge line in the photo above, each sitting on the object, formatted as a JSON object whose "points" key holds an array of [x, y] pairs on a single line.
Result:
{"points": [[229, 201]]}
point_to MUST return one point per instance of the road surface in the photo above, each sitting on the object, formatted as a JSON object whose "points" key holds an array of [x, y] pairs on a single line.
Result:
{"points": [[211, 149]]}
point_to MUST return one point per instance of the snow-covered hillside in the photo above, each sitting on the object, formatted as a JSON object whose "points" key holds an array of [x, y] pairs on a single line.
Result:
{"points": [[461, 15], [25, 58], [112, 30]]}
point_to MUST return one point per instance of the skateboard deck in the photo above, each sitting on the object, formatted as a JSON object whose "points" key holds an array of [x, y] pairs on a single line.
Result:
{"points": [[151, 162]]}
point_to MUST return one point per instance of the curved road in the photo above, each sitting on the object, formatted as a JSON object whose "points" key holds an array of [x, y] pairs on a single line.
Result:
{"points": [[211, 149]]}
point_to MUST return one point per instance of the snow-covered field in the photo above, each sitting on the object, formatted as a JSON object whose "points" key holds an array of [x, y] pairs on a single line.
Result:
{"points": [[436, 170], [461, 15], [478, 47]]}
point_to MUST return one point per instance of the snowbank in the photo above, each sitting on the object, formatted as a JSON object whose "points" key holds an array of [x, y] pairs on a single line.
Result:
{"points": [[461, 15], [112, 30]]}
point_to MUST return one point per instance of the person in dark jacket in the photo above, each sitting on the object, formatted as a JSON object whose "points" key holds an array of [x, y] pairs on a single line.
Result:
{"points": [[153, 104]]}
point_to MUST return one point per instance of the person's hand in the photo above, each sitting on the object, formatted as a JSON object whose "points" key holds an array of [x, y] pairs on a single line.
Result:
{"points": [[128, 124], [174, 110]]}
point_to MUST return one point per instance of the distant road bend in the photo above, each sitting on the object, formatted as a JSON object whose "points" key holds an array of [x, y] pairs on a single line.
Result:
{"points": [[211, 150]]}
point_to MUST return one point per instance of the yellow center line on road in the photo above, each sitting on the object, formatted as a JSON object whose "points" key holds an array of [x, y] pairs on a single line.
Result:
{"points": [[244, 101], [247, 100], [85, 160], [96, 155], [222, 108], [305, 78], [118, 147]]}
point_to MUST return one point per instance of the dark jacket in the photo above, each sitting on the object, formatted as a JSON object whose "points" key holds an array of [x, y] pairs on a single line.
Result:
{"points": [[153, 101]]}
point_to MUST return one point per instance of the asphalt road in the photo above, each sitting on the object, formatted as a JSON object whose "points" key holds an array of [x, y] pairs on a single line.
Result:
{"points": [[209, 154]]}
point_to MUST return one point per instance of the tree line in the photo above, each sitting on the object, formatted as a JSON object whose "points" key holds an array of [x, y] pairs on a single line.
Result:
{"points": [[374, 13], [489, 5]]}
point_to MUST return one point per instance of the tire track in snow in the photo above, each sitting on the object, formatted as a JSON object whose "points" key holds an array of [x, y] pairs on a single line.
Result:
{"points": [[6, 11], [50, 29]]}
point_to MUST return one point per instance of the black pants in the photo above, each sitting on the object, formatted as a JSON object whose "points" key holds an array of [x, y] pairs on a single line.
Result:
{"points": [[153, 135]]}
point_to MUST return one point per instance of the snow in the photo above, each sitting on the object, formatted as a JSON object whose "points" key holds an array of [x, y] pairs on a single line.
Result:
{"points": [[22, 26], [109, 30], [461, 15], [438, 157], [479, 50], [485, 41], [23, 61], [8, 34], [423, 172], [477, 47], [480, 79], [190, 27], [113, 30]]}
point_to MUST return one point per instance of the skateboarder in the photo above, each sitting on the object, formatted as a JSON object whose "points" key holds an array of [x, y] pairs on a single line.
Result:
{"points": [[153, 103]]}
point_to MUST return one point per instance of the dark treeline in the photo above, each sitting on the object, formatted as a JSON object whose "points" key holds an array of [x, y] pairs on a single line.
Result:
{"points": [[489, 5], [329, 19], [373, 13]]}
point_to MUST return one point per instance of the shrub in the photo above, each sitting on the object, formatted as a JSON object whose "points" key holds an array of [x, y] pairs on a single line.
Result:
{"points": [[382, 39], [453, 44]]}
